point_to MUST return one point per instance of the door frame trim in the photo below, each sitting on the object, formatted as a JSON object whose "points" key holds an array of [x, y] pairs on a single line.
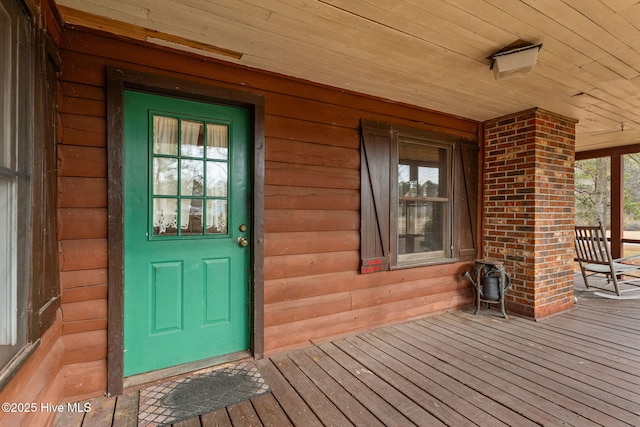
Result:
{"points": [[119, 80]]}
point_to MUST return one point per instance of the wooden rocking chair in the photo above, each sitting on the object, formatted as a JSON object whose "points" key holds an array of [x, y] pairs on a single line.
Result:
{"points": [[594, 257]]}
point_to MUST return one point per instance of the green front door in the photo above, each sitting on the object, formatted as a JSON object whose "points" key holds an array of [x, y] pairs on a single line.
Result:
{"points": [[186, 231]]}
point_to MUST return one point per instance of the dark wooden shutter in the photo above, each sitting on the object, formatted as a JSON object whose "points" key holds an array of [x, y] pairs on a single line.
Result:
{"points": [[45, 292], [465, 200], [375, 164]]}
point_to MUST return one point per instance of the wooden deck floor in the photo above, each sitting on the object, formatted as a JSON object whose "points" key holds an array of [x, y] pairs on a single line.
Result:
{"points": [[581, 368]]}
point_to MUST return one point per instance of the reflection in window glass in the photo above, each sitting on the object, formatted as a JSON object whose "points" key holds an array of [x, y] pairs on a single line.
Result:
{"points": [[217, 179], [423, 225], [191, 216], [216, 217], [165, 176], [192, 178], [192, 139]]}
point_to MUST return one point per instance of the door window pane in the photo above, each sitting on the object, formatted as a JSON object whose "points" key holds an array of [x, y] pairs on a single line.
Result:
{"points": [[217, 179], [165, 217], [217, 141], [216, 217], [189, 185], [191, 217], [165, 135], [192, 178], [165, 176], [192, 139]]}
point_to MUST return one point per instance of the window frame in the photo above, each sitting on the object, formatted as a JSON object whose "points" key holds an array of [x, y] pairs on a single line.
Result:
{"points": [[414, 137], [378, 195], [30, 102], [17, 140]]}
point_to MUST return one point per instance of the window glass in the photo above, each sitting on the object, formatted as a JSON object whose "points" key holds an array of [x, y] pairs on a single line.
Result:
{"points": [[424, 206], [16, 77], [189, 184], [5, 84]]}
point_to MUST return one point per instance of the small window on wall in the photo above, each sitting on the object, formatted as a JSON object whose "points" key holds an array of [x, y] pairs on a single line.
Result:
{"points": [[423, 207], [418, 197]]}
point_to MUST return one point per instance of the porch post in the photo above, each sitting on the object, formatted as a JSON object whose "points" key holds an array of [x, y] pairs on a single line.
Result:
{"points": [[529, 208]]}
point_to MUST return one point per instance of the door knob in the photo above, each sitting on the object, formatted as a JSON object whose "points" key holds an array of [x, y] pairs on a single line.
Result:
{"points": [[242, 241]]}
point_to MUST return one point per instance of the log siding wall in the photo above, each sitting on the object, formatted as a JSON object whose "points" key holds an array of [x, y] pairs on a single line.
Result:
{"points": [[312, 288]]}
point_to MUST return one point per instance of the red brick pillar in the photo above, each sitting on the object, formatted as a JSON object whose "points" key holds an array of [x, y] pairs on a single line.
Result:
{"points": [[529, 208]]}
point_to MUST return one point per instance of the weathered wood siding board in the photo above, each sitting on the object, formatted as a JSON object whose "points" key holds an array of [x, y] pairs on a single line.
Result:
{"points": [[81, 130], [82, 223], [311, 196], [84, 346], [84, 380], [38, 380], [294, 288], [81, 192], [310, 220], [304, 242], [310, 176], [309, 264], [291, 151], [295, 334], [83, 254]]}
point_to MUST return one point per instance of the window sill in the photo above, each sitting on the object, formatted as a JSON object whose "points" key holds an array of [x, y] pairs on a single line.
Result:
{"points": [[429, 263], [13, 367]]}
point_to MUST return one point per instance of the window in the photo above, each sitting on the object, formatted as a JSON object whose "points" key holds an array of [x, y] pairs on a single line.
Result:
{"points": [[423, 202], [418, 197], [16, 80], [189, 170]]}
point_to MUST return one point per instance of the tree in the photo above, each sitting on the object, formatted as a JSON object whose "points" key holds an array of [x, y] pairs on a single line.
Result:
{"points": [[592, 191]]}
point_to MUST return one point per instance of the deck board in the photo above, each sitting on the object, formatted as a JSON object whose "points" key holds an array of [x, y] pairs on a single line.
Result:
{"points": [[379, 407], [347, 404], [219, 418], [536, 378], [387, 391], [579, 368], [485, 379], [269, 411]]}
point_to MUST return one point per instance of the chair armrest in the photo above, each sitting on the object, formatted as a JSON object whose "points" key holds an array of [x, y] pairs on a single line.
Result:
{"points": [[621, 260]]}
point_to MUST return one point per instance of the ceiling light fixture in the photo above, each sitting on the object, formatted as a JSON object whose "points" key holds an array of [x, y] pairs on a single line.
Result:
{"points": [[514, 61]]}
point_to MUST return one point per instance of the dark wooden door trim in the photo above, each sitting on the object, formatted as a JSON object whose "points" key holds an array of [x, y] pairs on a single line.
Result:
{"points": [[118, 80]]}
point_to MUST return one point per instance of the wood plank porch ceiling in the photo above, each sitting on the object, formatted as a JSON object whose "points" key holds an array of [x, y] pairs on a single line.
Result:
{"points": [[427, 53]]}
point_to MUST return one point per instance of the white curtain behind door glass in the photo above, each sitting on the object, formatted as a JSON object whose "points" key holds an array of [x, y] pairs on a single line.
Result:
{"points": [[192, 171], [217, 177], [217, 141], [165, 172]]}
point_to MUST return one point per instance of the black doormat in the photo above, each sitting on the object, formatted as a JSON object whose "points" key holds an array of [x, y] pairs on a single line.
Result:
{"points": [[200, 393]]}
